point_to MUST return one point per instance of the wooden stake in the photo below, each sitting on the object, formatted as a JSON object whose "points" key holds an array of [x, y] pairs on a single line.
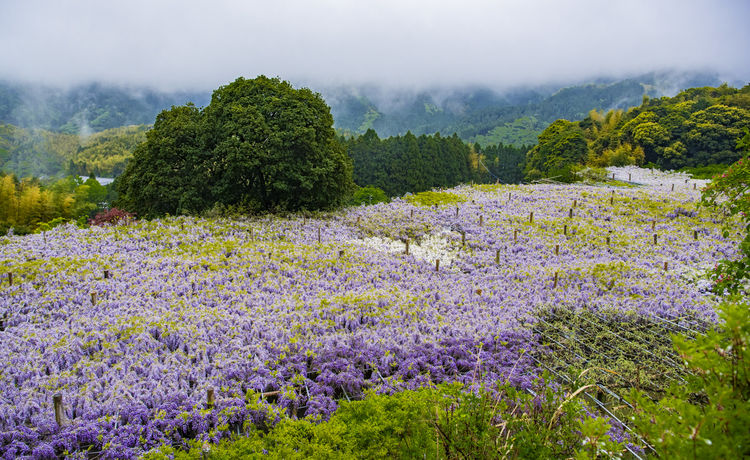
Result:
{"points": [[565, 230], [508, 196], [341, 253], [653, 225], [570, 213], [557, 249], [613, 175], [93, 298], [59, 411], [555, 284], [695, 234], [497, 256], [515, 235], [106, 274], [210, 399], [10, 278], [666, 265], [575, 202], [463, 238], [357, 220], [481, 220], [437, 264], [456, 211], [607, 240], [531, 217], [407, 247], [412, 213], [656, 239], [695, 186], [673, 187], [629, 176], [318, 235]]}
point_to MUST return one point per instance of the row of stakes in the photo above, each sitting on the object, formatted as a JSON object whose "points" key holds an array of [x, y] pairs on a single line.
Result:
{"points": [[341, 253]]}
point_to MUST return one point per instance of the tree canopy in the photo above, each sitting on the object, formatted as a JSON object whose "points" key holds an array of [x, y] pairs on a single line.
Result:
{"points": [[697, 127], [260, 144]]}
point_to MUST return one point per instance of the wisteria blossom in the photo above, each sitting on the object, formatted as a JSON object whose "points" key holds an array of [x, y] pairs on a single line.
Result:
{"points": [[134, 324]]}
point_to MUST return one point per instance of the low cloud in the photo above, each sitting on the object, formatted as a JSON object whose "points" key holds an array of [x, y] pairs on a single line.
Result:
{"points": [[190, 44]]}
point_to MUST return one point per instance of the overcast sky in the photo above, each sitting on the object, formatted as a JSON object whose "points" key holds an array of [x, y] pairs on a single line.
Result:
{"points": [[190, 44]]}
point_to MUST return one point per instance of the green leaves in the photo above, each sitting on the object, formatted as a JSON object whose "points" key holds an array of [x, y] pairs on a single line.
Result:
{"points": [[709, 416], [260, 145]]}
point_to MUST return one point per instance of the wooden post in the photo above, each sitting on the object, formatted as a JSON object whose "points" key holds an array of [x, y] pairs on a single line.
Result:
{"points": [[666, 265], [630, 175], [531, 217], [508, 196], [463, 238], [607, 240], [2, 321], [515, 235], [570, 213], [497, 256], [555, 284], [93, 298], [481, 220], [407, 247], [695, 234], [575, 202], [10, 278], [59, 411], [106, 274], [412, 213], [318, 235], [656, 239], [653, 225], [456, 211], [673, 187], [695, 186], [565, 230], [357, 220], [193, 287], [341, 253], [557, 249], [210, 399], [437, 264]]}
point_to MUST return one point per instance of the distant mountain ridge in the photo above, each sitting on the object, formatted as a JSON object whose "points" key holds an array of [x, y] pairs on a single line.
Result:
{"points": [[480, 114], [476, 114]]}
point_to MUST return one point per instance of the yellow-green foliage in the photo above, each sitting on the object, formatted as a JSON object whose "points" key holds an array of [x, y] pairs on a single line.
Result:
{"points": [[106, 153], [434, 198]]}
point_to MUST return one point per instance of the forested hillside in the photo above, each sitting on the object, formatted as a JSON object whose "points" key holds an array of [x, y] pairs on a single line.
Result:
{"points": [[697, 127], [39, 152], [86, 108], [479, 114]]}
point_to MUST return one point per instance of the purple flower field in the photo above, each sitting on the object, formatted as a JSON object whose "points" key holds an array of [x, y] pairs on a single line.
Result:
{"points": [[260, 305]]}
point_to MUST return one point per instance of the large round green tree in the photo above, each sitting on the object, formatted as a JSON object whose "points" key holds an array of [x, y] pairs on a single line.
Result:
{"points": [[260, 144]]}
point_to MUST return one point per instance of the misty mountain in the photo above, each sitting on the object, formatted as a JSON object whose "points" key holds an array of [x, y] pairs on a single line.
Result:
{"points": [[86, 109], [477, 114]]}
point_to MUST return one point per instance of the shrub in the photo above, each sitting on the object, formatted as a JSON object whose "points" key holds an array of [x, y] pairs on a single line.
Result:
{"points": [[369, 195], [112, 216], [709, 415]]}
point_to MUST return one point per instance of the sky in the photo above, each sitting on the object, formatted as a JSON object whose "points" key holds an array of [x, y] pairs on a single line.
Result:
{"points": [[200, 45]]}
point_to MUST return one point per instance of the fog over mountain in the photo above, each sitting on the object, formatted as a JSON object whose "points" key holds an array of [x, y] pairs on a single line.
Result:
{"points": [[193, 45]]}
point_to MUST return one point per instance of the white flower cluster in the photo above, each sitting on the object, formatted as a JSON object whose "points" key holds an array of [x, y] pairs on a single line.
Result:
{"points": [[654, 177], [435, 246]]}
